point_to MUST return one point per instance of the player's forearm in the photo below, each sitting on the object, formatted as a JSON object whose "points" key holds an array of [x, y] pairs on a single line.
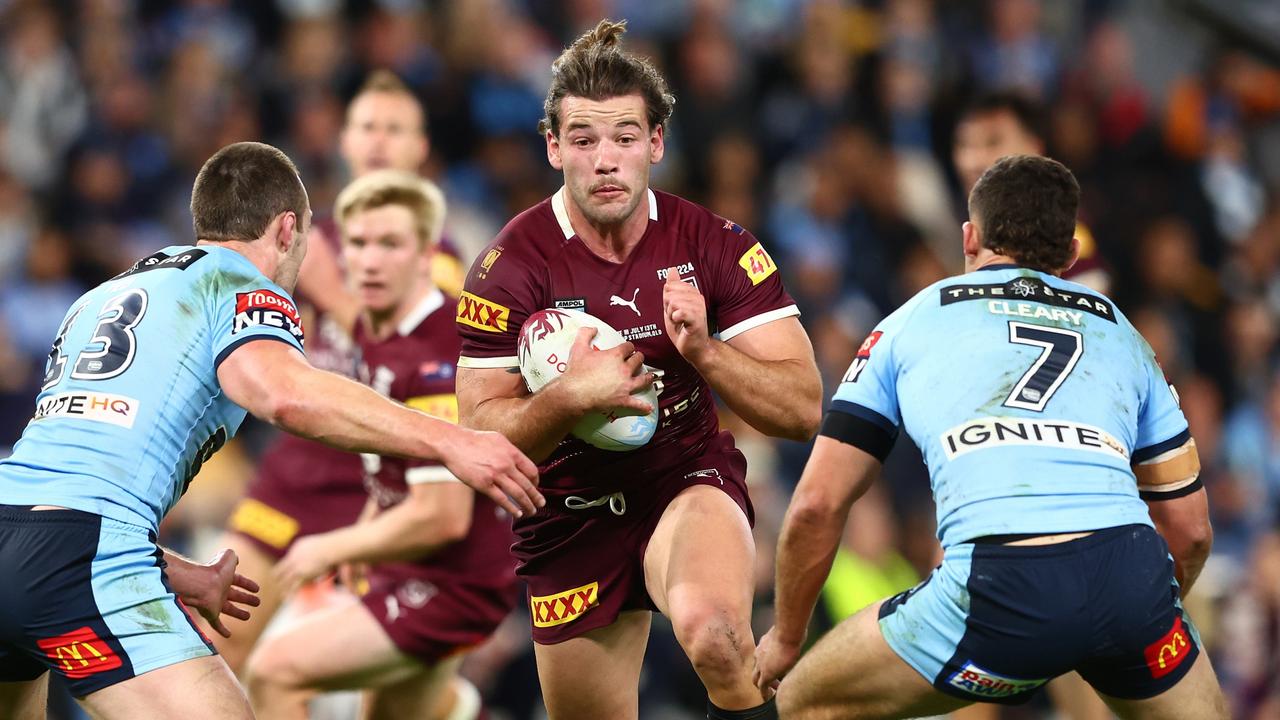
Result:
{"points": [[806, 549], [1183, 522], [534, 423], [780, 398], [348, 416], [404, 532]]}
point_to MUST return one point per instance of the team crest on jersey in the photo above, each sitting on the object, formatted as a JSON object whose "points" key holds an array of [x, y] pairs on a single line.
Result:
{"points": [[474, 311], [487, 263], [264, 307], [862, 358]]}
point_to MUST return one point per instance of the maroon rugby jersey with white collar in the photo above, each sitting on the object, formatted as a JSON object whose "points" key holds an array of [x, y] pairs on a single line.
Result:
{"points": [[416, 365], [538, 262]]}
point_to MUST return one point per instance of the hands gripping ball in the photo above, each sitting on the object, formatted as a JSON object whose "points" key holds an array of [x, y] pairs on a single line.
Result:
{"points": [[545, 341]]}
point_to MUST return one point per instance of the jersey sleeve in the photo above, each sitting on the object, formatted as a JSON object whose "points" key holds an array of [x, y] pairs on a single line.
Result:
{"points": [[1161, 425], [500, 292], [864, 411], [747, 289], [245, 307], [445, 407]]}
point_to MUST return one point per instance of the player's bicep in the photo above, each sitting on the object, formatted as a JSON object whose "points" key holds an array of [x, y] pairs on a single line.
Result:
{"points": [[1172, 474], [257, 375], [782, 339], [478, 386]]}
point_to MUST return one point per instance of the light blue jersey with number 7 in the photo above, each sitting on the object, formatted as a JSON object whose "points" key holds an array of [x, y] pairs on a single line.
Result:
{"points": [[130, 406], [1029, 397]]}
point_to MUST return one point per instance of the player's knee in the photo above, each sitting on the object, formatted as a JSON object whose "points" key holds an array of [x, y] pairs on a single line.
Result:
{"points": [[271, 670], [717, 643]]}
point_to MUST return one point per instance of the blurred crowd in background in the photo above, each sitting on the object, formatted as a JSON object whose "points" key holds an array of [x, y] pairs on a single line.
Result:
{"points": [[825, 127]]}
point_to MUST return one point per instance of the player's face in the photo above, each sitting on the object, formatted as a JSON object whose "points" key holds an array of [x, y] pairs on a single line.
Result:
{"points": [[386, 260], [986, 137], [384, 130], [605, 149]]}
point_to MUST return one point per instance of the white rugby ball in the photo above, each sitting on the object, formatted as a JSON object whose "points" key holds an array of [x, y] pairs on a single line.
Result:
{"points": [[546, 339]]}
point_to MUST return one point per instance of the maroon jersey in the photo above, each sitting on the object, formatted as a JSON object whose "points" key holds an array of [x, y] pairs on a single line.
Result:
{"points": [[416, 365], [537, 262]]}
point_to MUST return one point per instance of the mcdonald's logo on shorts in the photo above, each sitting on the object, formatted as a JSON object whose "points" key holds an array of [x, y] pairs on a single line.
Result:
{"points": [[558, 609], [1167, 653], [80, 653]]}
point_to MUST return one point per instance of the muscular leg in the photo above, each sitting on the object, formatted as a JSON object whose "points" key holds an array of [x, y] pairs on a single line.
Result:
{"points": [[25, 700], [340, 648], [429, 695], [256, 565], [698, 569], [197, 689], [1073, 697], [597, 674], [852, 673], [1196, 697]]}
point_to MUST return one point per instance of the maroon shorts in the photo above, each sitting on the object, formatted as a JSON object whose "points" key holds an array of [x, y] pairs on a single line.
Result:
{"points": [[432, 618], [302, 488], [584, 566]]}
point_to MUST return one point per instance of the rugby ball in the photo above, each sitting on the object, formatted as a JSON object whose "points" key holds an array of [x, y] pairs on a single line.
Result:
{"points": [[546, 339]]}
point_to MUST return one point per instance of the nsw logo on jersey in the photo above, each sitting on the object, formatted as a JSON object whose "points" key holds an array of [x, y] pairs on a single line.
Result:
{"points": [[263, 307], [862, 358]]}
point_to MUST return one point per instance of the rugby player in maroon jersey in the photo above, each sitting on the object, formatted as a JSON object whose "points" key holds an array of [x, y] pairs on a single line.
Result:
{"points": [[665, 527], [302, 487], [442, 577]]}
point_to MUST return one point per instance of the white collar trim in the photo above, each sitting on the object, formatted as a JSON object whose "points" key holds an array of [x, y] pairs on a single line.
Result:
{"points": [[562, 212], [433, 301]]}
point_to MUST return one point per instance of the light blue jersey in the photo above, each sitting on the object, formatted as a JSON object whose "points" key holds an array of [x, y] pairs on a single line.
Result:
{"points": [[1029, 397], [130, 406]]}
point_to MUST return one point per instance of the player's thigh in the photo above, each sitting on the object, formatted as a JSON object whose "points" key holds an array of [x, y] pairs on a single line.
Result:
{"points": [[197, 689], [1196, 697], [257, 565], [25, 700], [334, 649], [418, 696], [1075, 700], [596, 674], [701, 556], [853, 673]]}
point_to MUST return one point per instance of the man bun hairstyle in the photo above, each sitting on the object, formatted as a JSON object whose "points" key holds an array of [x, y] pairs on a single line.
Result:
{"points": [[1026, 207], [595, 67], [241, 189], [395, 187]]}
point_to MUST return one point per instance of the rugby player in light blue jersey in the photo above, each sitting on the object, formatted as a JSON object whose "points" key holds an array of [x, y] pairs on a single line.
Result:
{"points": [[1056, 450], [150, 373]]}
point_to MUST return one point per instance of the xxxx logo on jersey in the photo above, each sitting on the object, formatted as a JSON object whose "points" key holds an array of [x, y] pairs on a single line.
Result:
{"points": [[558, 609], [481, 314]]}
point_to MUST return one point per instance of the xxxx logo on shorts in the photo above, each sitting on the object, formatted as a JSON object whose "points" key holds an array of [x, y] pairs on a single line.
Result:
{"points": [[1167, 653], [481, 314], [558, 609], [80, 653]]}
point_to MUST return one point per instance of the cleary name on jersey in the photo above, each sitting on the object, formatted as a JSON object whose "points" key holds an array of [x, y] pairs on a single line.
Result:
{"points": [[538, 262], [1029, 396], [130, 406]]}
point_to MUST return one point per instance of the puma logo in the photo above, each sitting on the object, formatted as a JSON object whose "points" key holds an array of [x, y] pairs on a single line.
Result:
{"points": [[615, 300]]}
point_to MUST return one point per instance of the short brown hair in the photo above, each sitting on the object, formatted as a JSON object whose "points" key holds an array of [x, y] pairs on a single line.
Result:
{"points": [[385, 81], [241, 189], [395, 187], [594, 67], [1026, 206]]}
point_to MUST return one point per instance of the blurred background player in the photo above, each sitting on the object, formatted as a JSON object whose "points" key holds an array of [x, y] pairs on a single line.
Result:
{"points": [[1057, 485], [442, 576], [667, 526], [997, 124], [150, 374], [301, 487]]}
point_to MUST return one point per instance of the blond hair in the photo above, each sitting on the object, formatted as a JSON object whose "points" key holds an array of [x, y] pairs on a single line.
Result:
{"points": [[395, 187]]}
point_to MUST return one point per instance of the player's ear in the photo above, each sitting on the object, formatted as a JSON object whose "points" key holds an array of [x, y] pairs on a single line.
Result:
{"points": [[657, 145], [1075, 255], [285, 224], [553, 151], [972, 239]]}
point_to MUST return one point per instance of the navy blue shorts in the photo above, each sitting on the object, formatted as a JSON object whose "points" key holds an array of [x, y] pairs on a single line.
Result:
{"points": [[85, 596], [995, 622]]}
